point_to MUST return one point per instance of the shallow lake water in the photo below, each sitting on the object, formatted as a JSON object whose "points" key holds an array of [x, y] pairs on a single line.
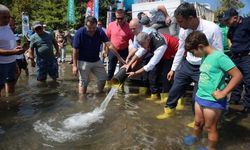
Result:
{"points": [[53, 116]]}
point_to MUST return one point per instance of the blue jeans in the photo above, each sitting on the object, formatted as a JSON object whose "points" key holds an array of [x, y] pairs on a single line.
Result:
{"points": [[46, 66], [236, 93], [184, 75], [243, 63], [113, 61]]}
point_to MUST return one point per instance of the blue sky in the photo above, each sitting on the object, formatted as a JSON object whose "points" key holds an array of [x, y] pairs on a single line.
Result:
{"points": [[215, 3]]}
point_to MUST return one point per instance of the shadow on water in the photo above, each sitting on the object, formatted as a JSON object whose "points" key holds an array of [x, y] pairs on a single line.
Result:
{"points": [[32, 117]]}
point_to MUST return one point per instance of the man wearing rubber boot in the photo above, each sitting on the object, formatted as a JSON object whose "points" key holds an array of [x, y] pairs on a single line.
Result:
{"points": [[172, 47], [119, 34], [153, 50], [186, 69], [136, 27]]}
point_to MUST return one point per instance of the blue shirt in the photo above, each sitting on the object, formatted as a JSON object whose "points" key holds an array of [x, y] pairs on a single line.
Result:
{"points": [[89, 46], [240, 36], [43, 45]]}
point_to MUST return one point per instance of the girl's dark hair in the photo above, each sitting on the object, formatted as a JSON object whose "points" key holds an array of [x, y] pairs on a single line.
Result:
{"points": [[185, 10], [91, 20], [194, 39]]}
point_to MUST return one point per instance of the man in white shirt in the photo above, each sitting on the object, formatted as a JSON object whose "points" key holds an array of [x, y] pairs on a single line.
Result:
{"points": [[8, 51], [186, 69], [153, 48], [136, 27]]}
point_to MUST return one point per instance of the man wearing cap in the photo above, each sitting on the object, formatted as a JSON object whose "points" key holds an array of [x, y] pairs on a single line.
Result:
{"points": [[239, 35], [42, 43], [8, 51]]}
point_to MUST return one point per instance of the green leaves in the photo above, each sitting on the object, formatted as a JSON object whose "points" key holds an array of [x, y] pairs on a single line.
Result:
{"points": [[52, 12], [226, 4]]}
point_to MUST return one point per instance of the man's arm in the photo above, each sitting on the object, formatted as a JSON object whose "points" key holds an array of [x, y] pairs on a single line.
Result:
{"points": [[217, 39], [134, 47], [178, 56], [138, 54], [31, 56], [131, 53], [108, 31], [113, 49], [17, 50], [163, 9], [229, 43], [56, 47], [75, 58], [180, 52], [158, 54], [236, 77]]}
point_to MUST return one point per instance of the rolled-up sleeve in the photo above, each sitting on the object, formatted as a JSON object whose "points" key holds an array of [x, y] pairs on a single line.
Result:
{"points": [[140, 52]]}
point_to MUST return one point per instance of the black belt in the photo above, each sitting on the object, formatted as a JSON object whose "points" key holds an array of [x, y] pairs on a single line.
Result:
{"points": [[241, 54]]}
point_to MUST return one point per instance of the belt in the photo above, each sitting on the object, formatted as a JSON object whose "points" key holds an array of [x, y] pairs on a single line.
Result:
{"points": [[241, 54]]}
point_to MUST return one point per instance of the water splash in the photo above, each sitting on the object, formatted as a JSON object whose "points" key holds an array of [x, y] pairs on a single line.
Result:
{"points": [[1, 130], [73, 126]]}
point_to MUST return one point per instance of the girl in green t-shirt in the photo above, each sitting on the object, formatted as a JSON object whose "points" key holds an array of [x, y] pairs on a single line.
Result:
{"points": [[212, 90]]}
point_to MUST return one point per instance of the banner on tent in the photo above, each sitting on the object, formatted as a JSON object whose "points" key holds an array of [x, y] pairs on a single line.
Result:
{"points": [[25, 24]]}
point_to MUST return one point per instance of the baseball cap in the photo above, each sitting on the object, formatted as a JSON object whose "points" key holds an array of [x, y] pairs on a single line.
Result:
{"points": [[229, 13], [36, 24], [145, 20]]}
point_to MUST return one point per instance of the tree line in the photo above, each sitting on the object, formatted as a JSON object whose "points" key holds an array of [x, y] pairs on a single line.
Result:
{"points": [[54, 12]]}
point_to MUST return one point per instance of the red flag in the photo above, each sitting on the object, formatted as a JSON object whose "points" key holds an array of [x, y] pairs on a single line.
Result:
{"points": [[90, 8]]}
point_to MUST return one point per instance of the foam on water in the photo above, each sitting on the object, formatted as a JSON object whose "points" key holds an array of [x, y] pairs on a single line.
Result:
{"points": [[1, 130], [73, 126]]}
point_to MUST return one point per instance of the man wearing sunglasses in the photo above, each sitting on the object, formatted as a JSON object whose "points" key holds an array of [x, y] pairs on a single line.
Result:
{"points": [[119, 35], [8, 51], [42, 43]]}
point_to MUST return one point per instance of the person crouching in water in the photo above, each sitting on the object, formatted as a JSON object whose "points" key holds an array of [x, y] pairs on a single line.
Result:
{"points": [[155, 50], [210, 98]]}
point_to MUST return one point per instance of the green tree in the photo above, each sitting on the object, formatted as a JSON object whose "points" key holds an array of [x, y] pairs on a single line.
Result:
{"points": [[53, 12], [6, 3], [226, 4]]}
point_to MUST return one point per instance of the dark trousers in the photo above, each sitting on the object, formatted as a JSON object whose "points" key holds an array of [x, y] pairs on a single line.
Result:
{"points": [[243, 63], [184, 75], [154, 77], [166, 84], [236, 93], [113, 61]]}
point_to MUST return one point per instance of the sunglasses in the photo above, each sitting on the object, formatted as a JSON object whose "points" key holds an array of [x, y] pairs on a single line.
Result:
{"points": [[120, 18]]}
